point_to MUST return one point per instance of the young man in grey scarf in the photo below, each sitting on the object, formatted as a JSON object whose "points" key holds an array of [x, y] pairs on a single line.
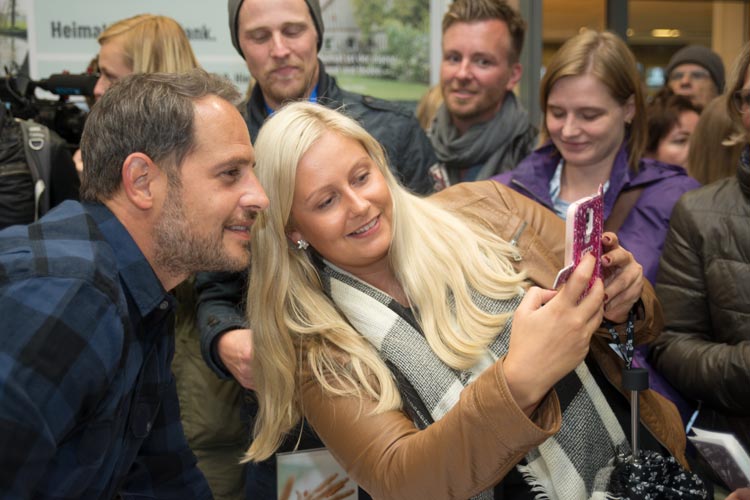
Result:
{"points": [[481, 129]]}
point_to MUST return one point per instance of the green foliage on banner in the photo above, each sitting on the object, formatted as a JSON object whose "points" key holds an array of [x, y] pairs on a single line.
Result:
{"points": [[405, 24]]}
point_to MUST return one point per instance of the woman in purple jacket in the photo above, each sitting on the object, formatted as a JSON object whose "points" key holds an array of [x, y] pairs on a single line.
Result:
{"points": [[595, 133]]}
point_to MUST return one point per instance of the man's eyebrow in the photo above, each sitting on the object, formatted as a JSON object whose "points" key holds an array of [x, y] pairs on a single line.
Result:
{"points": [[235, 161], [253, 29]]}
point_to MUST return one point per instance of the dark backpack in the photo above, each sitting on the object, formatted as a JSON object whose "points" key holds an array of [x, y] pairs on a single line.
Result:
{"points": [[24, 185]]}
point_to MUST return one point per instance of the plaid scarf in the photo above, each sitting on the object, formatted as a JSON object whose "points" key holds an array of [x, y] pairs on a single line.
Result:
{"points": [[575, 463], [496, 146]]}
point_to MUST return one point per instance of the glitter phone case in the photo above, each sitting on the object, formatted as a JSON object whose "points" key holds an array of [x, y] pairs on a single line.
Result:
{"points": [[583, 234]]}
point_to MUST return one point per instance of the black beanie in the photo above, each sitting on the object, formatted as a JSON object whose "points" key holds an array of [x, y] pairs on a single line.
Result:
{"points": [[702, 56], [234, 11]]}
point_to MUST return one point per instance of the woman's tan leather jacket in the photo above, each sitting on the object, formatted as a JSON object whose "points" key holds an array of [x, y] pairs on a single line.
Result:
{"points": [[473, 446]]}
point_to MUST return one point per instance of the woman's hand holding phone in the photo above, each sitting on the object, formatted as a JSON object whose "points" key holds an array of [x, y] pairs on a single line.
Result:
{"points": [[551, 333]]}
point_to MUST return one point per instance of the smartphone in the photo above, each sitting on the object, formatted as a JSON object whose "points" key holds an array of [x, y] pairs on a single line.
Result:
{"points": [[583, 234]]}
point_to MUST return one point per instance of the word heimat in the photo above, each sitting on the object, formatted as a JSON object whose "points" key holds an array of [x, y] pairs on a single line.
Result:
{"points": [[74, 30]]}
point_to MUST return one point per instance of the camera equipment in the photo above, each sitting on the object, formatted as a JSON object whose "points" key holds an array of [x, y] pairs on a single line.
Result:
{"points": [[17, 93], [64, 84]]}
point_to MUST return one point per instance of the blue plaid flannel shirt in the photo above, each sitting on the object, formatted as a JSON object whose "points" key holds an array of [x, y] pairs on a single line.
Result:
{"points": [[88, 407]]}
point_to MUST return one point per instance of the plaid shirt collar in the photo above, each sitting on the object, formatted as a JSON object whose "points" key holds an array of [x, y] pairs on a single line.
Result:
{"points": [[135, 271]]}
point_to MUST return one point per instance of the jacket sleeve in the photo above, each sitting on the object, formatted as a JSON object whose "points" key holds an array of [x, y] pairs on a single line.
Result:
{"points": [[689, 352], [467, 451], [414, 156], [220, 309], [408, 150], [418, 156]]}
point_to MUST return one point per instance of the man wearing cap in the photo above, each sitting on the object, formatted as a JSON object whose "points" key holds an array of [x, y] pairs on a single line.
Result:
{"points": [[279, 41], [696, 72]]}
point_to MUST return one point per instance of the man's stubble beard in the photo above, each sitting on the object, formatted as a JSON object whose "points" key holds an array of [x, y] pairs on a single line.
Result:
{"points": [[180, 250]]}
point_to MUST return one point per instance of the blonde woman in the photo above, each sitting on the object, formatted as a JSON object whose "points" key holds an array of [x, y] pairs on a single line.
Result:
{"points": [[385, 319], [145, 43]]}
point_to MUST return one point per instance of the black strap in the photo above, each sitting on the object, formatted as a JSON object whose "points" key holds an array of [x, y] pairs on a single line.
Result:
{"points": [[36, 145], [626, 348]]}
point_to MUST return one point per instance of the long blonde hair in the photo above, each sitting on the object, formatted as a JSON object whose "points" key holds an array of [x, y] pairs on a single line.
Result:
{"points": [[152, 44], [438, 257]]}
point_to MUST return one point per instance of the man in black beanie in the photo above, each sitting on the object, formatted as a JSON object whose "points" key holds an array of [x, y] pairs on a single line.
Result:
{"points": [[280, 42], [697, 73]]}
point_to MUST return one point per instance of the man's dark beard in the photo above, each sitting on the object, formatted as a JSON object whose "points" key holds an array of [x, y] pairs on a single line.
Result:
{"points": [[178, 250]]}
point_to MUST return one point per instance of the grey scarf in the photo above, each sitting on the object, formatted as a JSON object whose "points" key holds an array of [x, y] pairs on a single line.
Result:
{"points": [[498, 145], [576, 463]]}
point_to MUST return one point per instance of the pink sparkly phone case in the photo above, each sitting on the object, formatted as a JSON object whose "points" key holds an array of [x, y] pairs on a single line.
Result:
{"points": [[583, 234]]}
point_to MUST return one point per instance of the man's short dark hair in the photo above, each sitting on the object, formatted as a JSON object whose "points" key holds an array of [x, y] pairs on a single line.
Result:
{"points": [[149, 113], [470, 11]]}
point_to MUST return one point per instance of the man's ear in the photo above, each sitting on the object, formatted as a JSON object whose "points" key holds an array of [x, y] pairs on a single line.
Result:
{"points": [[138, 175], [516, 71]]}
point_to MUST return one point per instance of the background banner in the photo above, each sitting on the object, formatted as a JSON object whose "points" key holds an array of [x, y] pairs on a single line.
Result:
{"points": [[50, 36], [377, 48]]}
